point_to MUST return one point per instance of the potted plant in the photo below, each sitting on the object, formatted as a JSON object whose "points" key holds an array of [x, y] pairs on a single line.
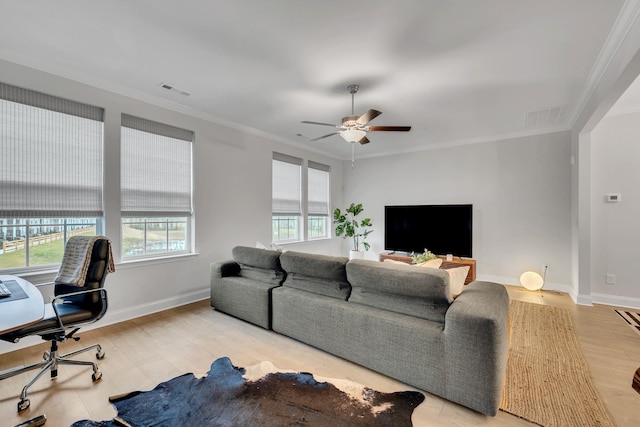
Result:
{"points": [[423, 257], [347, 225]]}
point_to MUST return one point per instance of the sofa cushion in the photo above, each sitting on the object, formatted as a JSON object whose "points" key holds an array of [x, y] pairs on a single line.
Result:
{"points": [[457, 277], [320, 274], [432, 263], [259, 264], [419, 292]]}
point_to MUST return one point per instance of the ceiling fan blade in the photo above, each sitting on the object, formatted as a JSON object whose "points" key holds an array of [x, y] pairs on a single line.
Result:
{"points": [[364, 140], [318, 123], [367, 117], [388, 128], [324, 136]]}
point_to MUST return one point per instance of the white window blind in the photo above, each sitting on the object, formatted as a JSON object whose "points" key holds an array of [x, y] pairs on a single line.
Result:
{"points": [[51, 156], [286, 188], [155, 169], [318, 183]]}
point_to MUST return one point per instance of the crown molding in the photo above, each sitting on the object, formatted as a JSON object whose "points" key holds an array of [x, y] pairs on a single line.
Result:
{"points": [[469, 141], [626, 19]]}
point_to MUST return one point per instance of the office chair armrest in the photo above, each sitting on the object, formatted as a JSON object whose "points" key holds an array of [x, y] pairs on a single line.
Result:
{"points": [[60, 298]]}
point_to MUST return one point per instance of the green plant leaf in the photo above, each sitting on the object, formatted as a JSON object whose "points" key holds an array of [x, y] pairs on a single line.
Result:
{"points": [[348, 226]]}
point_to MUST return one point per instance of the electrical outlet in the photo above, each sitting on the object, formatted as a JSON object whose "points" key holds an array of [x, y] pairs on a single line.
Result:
{"points": [[610, 279], [545, 270]]}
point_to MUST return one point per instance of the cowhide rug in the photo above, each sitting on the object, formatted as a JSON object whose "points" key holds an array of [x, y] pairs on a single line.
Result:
{"points": [[260, 395]]}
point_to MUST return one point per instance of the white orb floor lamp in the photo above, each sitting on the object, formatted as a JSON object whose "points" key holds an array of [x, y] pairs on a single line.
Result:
{"points": [[532, 280]]}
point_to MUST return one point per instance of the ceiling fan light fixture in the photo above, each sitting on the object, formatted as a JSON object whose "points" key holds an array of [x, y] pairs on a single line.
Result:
{"points": [[352, 135], [354, 128]]}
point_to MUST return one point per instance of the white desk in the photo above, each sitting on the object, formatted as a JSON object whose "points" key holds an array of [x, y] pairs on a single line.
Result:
{"points": [[16, 314]]}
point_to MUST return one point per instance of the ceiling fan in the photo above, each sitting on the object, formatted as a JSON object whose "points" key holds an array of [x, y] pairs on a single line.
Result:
{"points": [[354, 128]]}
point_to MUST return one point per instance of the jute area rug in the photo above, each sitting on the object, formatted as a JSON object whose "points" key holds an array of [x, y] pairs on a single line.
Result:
{"points": [[548, 381], [259, 395]]}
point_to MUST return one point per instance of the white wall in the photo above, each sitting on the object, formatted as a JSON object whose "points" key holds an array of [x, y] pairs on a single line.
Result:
{"points": [[622, 59], [520, 190], [615, 229], [232, 198]]}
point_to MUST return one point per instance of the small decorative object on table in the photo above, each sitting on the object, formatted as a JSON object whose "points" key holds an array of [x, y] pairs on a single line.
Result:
{"points": [[423, 257]]}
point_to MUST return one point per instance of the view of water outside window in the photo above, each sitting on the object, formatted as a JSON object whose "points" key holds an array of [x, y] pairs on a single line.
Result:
{"points": [[29, 242], [147, 236]]}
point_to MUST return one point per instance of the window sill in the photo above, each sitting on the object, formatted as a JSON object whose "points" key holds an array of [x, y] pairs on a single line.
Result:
{"points": [[155, 260], [301, 242], [39, 277]]}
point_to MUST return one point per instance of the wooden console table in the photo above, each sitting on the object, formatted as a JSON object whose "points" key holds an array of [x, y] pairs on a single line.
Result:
{"points": [[455, 262]]}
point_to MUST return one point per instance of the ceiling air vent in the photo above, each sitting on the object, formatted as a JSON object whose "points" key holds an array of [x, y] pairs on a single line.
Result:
{"points": [[544, 118], [172, 88]]}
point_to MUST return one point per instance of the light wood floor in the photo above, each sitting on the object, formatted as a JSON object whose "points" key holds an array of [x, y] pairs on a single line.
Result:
{"points": [[142, 352]]}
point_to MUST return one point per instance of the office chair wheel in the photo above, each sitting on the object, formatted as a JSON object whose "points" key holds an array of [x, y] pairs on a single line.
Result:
{"points": [[100, 354], [96, 375], [23, 404]]}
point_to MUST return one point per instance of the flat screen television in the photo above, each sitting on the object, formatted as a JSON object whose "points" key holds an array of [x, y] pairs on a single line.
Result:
{"points": [[442, 229]]}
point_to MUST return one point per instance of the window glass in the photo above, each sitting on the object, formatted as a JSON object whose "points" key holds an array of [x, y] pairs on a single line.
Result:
{"points": [[32, 242], [147, 236]]}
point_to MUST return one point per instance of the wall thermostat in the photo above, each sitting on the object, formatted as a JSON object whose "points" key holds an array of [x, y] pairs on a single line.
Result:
{"points": [[613, 197]]}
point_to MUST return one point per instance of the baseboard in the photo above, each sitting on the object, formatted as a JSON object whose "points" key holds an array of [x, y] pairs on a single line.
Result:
{"points": [[513, 281], [128, 313], [583, 299], [580, 299], [617, 301], [117, 316]]}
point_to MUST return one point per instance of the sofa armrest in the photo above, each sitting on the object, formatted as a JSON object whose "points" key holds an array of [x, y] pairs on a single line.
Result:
{"points": [[224, 269], [476, 346]]}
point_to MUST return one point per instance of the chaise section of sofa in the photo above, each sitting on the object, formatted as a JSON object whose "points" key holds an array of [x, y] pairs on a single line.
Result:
{"points": [[464, 358], [476, 338], [242, 287]]}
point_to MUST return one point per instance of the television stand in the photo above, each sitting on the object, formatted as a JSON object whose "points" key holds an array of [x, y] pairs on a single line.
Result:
{"points": [[455, 262]]}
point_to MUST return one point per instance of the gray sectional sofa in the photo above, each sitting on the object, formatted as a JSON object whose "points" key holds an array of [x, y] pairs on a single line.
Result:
{"points": [[398, 320]]}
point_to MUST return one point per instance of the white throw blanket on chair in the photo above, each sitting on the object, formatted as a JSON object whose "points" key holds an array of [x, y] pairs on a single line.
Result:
{"points": [[76, 259]]}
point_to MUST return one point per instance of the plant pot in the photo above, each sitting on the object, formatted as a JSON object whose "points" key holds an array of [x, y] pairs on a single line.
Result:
{"points": [[356, 255]]}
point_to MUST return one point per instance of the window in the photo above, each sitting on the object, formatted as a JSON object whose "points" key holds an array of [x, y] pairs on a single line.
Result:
{"points": [[51, 175], [318, 201], [286, 198], [289, 222], [156, 197]]}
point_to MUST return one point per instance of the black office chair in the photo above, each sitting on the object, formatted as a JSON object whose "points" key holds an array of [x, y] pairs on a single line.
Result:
{"points": [[72, 307]]}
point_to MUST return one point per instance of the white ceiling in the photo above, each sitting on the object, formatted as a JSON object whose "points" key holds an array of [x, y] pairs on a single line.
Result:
{"points": [[457, 71]]}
